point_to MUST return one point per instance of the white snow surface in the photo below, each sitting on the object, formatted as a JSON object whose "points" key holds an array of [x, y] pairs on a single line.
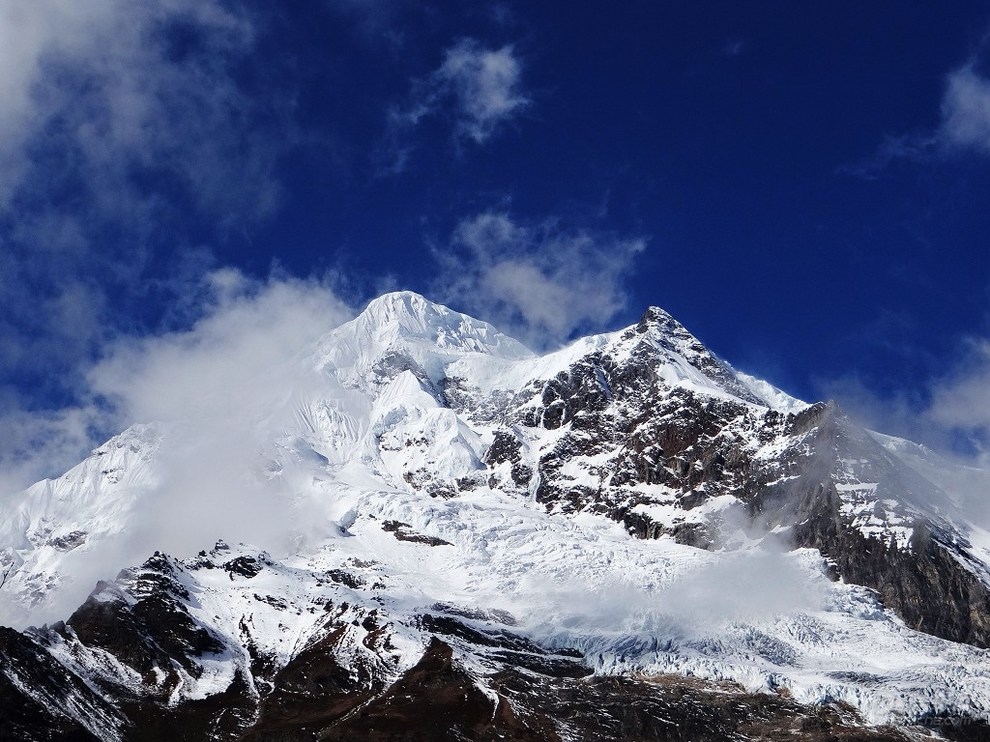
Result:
{"points": [[368, 439]]}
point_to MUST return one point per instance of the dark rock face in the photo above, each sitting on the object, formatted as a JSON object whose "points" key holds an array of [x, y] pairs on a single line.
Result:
{"points": [[243, 566], [435, 700], [402, 532], [510, 649], [630, 431], [504, 448], [41, 715], [310, 693], [220, 716], [925, 581], [69, 541], [672, 709]]}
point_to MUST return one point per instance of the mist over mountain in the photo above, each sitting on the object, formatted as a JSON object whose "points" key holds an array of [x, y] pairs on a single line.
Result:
{"points": [[409, 523]]}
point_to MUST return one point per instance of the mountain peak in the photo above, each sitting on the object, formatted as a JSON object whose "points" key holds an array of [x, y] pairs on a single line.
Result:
{"points": [[411, 315], [407, 316], [660, 328], [654, 315], [406, 324], [661, 321], [396, 305], [425, 480]]}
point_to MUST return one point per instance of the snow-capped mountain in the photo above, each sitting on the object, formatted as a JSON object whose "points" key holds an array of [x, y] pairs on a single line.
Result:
{"points": [[625, 538]]}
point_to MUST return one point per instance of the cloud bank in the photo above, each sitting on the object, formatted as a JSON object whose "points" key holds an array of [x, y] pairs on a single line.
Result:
{"points": [[740, 588], [221, 387], [229, 363], [950, 416], [960, 401], [238, 354], [951, 411]]}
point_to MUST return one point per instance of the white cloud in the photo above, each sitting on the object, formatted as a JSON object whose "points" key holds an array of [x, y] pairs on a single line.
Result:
{"points": [[966, 111], [960, 414], [950, 414], [708, 597], [233, 360], [485, 84], [218, 391], [221, 388], [950, 409], [480, 89], [376, 21], [42, 443], [536, 280], [230, 359]]}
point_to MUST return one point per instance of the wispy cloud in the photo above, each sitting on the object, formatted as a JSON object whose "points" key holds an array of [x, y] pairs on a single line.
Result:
{"points": [[479, 89], [893, 149], [220, 390], [964, 126], [246, 328], [241, 345], [733, 48], [39, 443], [378, 22], [710, 596], [950, 410], [103, 97], [538, 280], [485, 85]]}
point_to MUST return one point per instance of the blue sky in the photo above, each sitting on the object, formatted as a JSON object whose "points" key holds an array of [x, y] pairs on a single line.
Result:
{"points": [[804, 185]]}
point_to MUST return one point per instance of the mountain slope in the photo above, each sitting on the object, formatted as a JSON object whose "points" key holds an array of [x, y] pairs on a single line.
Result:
{"points": [[468, 527]]}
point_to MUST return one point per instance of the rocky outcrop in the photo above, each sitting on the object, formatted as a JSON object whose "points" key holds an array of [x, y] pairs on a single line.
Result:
{"points": [[154, 635]]}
